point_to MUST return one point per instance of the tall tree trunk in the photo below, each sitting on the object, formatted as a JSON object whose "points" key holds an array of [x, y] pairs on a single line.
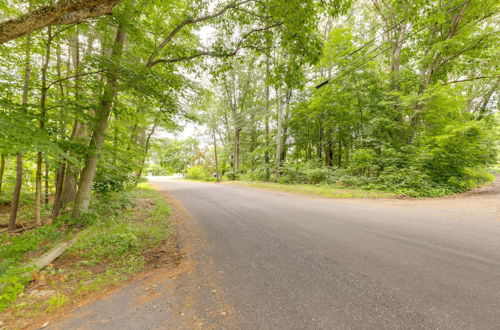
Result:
{"points": [[2, 169], [146, 150], [266, 124], [217, 178], [19, 159], [43, 111], [17, 192], [56, 207], [329, 148], [46, 178], [284, 136], [340, 154], [82, 198], [279, 135], [70, 180], [236, 150], [319, 146]]}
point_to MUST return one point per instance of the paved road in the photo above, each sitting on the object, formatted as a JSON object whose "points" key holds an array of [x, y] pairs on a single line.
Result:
{"points": [[293, 262]]}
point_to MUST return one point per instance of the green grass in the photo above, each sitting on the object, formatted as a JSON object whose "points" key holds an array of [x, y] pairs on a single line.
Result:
{"points": [[329, 191], [120, 228]]}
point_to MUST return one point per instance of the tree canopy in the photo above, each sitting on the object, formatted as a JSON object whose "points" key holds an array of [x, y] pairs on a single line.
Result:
{"points": [[397, 95]]}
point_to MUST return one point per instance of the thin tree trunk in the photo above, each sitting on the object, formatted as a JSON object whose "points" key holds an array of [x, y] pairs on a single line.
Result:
{"points": [[319, 147], [146, 150], [279, 135], [217, 178], [236, 150], [2, 169], [46, 197], [266, 127], [17, 192], [82, 198], [19, 159], [56, 208], [43, 111], [340, 154]]}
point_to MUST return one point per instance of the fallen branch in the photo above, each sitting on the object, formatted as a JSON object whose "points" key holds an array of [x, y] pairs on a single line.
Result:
{"points": [[20, 230], [48, 257]]}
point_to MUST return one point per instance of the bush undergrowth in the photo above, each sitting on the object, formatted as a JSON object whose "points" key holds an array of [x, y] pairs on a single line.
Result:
{"points": [[116, 232]]}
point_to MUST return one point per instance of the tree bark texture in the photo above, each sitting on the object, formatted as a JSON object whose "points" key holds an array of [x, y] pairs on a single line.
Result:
{"points": [[59, 13]]}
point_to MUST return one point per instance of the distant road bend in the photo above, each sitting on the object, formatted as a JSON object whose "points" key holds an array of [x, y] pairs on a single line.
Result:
{"points": [[293, 262]]}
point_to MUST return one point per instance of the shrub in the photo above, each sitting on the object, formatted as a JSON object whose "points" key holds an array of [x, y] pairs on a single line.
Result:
{"points": [[449, 159], [197, 172], [108, 179], [363, 161], [12, 283]]}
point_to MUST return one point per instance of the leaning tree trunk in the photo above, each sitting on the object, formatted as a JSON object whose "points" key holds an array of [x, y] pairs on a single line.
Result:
{"points": [[484, 105], [82, 198]]}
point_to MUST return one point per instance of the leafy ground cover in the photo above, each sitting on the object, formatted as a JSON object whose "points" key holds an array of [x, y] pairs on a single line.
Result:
{"points": [[117, 239]]}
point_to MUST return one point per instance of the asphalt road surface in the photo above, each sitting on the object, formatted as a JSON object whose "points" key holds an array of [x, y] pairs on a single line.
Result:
{"points": [[293, 262]]}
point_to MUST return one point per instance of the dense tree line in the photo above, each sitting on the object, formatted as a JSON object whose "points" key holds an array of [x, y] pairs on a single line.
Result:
{"points": [[397, 95], [86, 84]]}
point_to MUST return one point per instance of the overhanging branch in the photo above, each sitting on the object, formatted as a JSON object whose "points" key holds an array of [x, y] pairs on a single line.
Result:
{"points": [[201, 53], [62, 12], [178, 28]]}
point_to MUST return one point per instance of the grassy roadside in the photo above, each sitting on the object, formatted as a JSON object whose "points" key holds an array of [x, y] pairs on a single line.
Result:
{"points": [[118, 238], [329, 191]]}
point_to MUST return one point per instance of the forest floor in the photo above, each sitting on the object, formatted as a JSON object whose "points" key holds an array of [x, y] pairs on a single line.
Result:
{"points": [[132, 236]]}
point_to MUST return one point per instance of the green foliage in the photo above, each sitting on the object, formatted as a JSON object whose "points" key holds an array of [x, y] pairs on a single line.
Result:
{"points": [[13, 248], [118, 234], [197, 172], [56, 302], [109, 180], [115, 239], [12, 283], [448, 158]]}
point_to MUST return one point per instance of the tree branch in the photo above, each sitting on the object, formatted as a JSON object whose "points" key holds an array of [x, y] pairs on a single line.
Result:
{"points": [[461, 52], [179, 27], [470, 79], [72, 77], [62, 12], [201, 53]]}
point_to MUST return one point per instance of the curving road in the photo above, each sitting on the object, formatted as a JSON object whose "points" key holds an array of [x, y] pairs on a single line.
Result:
{"points": [[292, 262]]}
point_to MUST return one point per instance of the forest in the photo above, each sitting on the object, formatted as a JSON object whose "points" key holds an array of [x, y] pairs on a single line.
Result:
{"points": [[383, 95], [394, 96], [390, 95]]}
